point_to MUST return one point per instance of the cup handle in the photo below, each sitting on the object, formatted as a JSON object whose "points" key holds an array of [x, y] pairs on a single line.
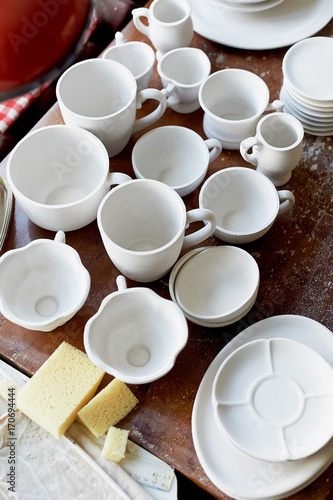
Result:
{"points": [[60, 237], [276, 105], [287, 201], [119, 38], [195, 215], [152, 117], [247, 144], [121, 283], [216, 148], [141, 12], [117, 178], [172, 100]]}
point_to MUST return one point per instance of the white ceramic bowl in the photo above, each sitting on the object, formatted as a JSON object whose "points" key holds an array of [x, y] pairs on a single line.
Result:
{"points": [[217, 285], [136, 335], [43, 284], [59, 175]]}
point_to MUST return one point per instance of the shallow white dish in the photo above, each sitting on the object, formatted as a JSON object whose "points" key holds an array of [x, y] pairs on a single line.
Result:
{"points": [[308, 67], [280, 26], [218, 284], [247, 6], [270, 404], [233, 471], [310, 113]]}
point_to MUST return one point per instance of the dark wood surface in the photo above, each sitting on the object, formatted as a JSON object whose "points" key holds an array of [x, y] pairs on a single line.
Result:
{"points": [[295, 260]]}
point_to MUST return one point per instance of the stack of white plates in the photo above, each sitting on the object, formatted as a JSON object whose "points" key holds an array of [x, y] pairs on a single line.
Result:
{"points": [[247, 5], [262, 420], [307, 89], [215, 286]]}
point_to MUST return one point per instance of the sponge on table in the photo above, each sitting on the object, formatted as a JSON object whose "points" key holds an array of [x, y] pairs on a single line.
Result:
{"points": [[59, 389], [115, 444], [108, 407]]}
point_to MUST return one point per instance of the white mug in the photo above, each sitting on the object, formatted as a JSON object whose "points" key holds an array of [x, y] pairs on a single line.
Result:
{"points": [[245, 203], [101, 96], [233, 101], [169, 24], [175, 155], [142, 224], [276, 148], [138, 57], [182, 71]]}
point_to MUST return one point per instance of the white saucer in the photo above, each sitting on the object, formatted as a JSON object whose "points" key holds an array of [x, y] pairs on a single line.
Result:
{"points": [[231, 470], [247, 6], [283, 25], [312, 114], [308, 67], [268, 402]]}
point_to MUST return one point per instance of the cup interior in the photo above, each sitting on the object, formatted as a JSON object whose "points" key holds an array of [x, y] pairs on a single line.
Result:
{"points": [[41, 282], [280, 130], [136, 334], [185, 66], [176, 156], [58, 165], [138, 57], [169, 11], [243, 200], [234, 95], [142, 215], [96, 88]]}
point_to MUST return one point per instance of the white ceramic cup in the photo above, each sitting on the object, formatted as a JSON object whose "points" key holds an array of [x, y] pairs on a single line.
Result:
{"points": [[245, 203], [233, 101], [135, 335], [175, 155], [142, 224], [276, 148], [101, 96], [169, 24], [59, 174], [138, 57], [43, 284], [182, 71]]}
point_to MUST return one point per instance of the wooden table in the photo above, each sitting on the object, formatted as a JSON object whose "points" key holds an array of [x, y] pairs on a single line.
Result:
{"points": [[295, 260]]}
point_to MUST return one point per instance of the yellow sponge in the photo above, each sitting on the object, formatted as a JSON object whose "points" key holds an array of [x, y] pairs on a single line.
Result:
{"points": [[59, 389], [115, 444], [108, 407]]}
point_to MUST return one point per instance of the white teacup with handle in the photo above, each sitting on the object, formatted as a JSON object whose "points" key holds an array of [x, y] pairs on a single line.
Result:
{"points": [[169, 24], [101, 96], [276, 148], [142, 224]]}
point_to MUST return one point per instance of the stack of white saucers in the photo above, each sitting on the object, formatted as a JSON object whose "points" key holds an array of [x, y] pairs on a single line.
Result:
{"points": [[307, 89], [247, 5], [215, 286]]}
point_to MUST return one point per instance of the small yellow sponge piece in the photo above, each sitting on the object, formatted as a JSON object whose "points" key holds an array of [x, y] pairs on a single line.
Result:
{"points": [[108, 407], [115, 444], [59, 389]]}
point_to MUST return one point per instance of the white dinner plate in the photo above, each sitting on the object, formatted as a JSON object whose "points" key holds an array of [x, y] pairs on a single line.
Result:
{"points": [[270, 404], [231, 470], [308, 67], [283, 25]]}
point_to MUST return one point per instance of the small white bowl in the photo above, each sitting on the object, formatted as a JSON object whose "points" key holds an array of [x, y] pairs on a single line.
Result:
{"points": [[217, 285], [43, 284], [136, 335]]}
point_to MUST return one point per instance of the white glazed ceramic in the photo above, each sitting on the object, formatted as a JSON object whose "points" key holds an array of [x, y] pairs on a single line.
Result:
{"points": [[234, 472], [169, 24], [217, 284], [175, 155], [182, 71], [43, 284], [59, 174], [233, 101], [101, 96], [142, 225], [245, 203], [138, 57], [136, 335], [246, 6], [266, 400], [276, 148]]}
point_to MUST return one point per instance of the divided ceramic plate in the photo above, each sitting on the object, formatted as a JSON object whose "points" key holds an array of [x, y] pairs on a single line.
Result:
{"points": [[274, 399], [232, 471], [280, 26]]}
